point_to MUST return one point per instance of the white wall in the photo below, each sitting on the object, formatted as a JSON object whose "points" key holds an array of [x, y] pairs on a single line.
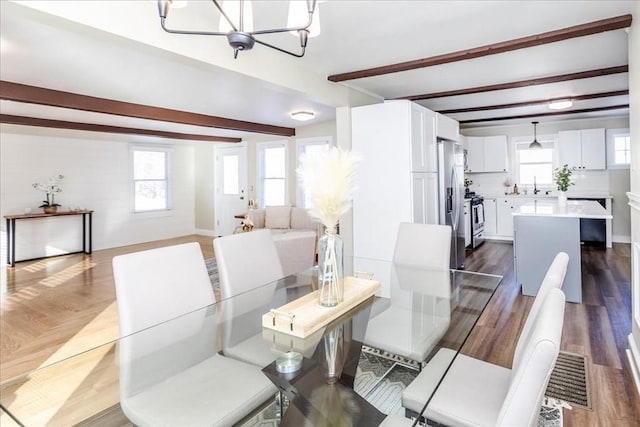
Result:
{"points": [[634, 116], [204, 188], [96, 169]]}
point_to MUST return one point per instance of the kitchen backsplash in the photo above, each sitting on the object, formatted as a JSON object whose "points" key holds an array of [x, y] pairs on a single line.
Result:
{"points": [[585, 182]]}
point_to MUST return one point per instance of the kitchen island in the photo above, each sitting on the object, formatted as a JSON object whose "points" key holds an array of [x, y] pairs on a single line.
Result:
{"points": [[541, 230]]}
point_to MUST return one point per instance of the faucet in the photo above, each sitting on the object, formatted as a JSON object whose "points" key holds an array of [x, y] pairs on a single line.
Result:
{"points": [[535, 189]]}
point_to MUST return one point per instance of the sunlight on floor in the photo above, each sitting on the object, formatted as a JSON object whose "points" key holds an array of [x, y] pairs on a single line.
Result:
{"points": [[102, 329], [49, 393], [59, 278]]}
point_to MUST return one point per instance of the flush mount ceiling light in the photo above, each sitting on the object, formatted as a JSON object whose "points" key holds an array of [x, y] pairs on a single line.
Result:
{"points": [[236, 23], [535, 144], [302, 116], [560, 104]]}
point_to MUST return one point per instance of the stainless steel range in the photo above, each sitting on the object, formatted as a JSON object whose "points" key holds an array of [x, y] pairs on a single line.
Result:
{"points": [[477, 221]]}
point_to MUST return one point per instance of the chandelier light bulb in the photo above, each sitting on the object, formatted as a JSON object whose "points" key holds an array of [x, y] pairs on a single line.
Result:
{"points": [[232, 9], [299, 17]]}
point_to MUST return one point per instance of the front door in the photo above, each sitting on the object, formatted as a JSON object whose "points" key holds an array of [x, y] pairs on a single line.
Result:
{"points": [[231, 187]]}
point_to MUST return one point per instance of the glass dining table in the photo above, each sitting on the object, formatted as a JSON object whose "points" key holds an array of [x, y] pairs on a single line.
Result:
{"points": [[199, 368]]}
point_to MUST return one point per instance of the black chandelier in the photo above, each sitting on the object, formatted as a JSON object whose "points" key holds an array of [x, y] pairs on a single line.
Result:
{"points": [[242, 37]]}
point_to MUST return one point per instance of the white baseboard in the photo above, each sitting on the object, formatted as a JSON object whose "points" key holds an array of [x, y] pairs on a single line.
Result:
{"points": [[634, 360], [621, 239], [202, 232], [502, 238]]}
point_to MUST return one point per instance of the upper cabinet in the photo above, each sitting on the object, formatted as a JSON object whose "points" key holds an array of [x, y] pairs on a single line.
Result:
{"points": [[486, 154], [423, 139], [582, 149], [447, 128]]}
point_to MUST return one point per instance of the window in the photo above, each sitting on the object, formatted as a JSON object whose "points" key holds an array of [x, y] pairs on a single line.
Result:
{"points": [[534, 164], [310, 146], [150, 179], [272, 173], [622, 149]]}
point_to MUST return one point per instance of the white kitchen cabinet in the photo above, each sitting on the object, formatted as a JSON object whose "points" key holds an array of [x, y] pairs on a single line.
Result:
{"points": [[467, 223], [495, 153], [475, 154], [424, 192], [504, 220], [423, 139], [447, 128], [487, 154], [594, 149], [490, 217], [397, 175], [582, 149]]}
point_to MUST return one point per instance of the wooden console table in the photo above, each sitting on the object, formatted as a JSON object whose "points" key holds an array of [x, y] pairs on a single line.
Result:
{"points": [[11, 232]]}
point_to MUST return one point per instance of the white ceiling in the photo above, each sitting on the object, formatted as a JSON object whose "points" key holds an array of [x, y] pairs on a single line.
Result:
{"points": [[117, 50]]}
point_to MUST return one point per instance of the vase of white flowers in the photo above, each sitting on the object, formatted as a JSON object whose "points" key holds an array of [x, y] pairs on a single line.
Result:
{"points": [[328, 178], [51, 187]]}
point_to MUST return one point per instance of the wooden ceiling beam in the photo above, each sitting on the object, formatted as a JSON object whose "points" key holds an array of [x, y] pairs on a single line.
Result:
{"points": [[536, 102], [554, 113], [595, 27], [522, 83], [91, 127], [56, 98]]}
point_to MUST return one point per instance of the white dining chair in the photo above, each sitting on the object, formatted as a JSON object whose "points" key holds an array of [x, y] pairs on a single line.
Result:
{"points": [[420, 289], [247, 261], [478, 393], [554, 278], [424, 245], [414, 397], [170, 371]]}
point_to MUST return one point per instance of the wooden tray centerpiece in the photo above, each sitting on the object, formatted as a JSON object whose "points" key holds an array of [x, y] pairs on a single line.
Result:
{"points": [[303, 316]]}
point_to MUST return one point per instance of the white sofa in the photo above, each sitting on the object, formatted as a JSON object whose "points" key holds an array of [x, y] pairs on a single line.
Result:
{"points": [[294, 233], [284, 219]]}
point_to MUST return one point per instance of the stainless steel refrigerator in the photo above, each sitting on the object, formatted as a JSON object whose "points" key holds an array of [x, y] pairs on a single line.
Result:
{"points": [[451, 196]]}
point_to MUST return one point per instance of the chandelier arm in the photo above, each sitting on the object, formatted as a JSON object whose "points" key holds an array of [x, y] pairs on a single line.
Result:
{"points": [[223, 13], [198, 33], [297, 55]]}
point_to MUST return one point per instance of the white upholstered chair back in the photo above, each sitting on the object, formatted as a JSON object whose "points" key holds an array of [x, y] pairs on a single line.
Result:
{"points": [[160, 284], [530, 375], [424, 245], [246, 261], [552, 280]]}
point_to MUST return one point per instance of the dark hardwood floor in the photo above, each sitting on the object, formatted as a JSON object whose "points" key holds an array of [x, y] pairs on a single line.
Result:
{"points": [[56, 307], [598, 328]]}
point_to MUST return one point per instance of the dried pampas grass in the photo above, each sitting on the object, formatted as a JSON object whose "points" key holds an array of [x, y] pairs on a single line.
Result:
{"points": [[329, 179]]}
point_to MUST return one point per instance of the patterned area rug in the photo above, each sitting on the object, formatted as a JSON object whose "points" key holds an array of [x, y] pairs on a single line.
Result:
{"points": [[380, 379], [212, 269]]}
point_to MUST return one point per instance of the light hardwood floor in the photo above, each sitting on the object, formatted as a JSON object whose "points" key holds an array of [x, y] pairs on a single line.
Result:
{"points": [[53, 308]]}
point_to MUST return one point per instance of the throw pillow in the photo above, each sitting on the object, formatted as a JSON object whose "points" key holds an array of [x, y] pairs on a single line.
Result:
{"points": [[257, 217], [277, 216], [300, 220]]}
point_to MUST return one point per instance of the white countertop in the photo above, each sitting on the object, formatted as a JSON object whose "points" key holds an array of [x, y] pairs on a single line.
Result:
{"points": [[552, 195], [574, 209]]}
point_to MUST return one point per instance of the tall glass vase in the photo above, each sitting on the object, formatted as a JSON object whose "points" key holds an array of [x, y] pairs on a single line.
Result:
{"points": [[330, 269]]}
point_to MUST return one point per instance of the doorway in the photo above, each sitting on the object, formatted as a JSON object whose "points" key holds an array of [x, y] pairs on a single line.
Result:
{"points": [[231, 187]]}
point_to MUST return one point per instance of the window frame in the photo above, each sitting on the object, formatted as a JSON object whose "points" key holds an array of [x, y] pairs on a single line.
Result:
{"points": [[167, 151], [610, 137], [547, 141], [261, 147], [301, 146]]}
